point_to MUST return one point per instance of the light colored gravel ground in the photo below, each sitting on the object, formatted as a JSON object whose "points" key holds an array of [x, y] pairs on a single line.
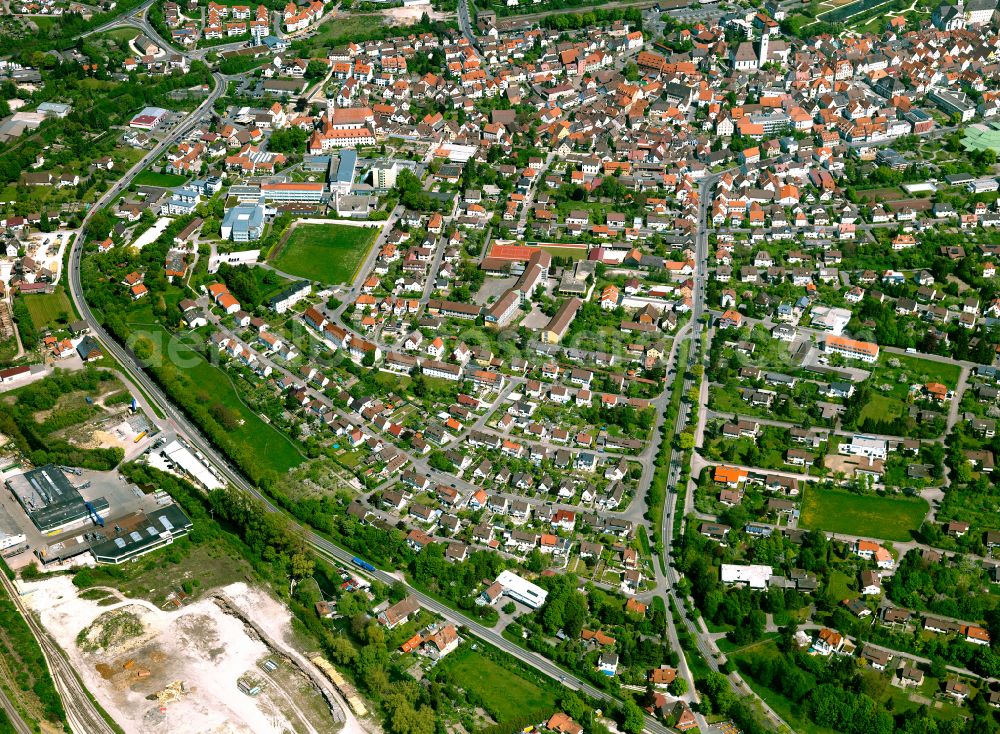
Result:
{"points": [[200, 646]]}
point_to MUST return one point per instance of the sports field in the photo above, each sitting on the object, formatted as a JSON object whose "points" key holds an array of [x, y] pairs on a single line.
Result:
{"points": [[152, 178], [329, 253], [868, 515]]}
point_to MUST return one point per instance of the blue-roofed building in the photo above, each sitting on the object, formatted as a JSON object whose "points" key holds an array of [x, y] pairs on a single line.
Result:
{"points": [[342, 170], [761, 531], [243, 223], [319, 163], [275, 44]]}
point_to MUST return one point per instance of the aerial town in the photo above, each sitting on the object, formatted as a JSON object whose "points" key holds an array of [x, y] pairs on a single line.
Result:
{"points": [[452, 367]]}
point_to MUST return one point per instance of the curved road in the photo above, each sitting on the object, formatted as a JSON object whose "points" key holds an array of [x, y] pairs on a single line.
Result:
{"points": [[122, 19], [180, 423]]}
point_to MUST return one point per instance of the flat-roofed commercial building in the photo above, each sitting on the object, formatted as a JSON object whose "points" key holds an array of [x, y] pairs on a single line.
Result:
{"points": [[305, 191], [522, 590], [142, 533], [51, 502]]}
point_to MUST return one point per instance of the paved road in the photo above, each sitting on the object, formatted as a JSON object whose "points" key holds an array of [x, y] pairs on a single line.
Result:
{"points": [[183, 427], [128, 18], [83, 716], [669, 579]]}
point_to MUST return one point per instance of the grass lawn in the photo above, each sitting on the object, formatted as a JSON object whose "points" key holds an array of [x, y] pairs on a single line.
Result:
{"points": [[329, 253], [151, 178], [502, 690], [836, 511], [47, 308], [882, 407], [344, 29], [921, 370], [839, 587], [123, 34], [271, 446]]}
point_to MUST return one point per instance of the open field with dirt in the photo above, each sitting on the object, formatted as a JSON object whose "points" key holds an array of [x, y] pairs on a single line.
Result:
{"points": [[158, 671]]}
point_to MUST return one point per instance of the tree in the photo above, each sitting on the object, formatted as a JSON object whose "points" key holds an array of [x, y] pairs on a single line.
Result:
{"points": [[552, 616], [633, 720], [686, 441], [574, 615], [316, 69], [288, 140], [718, 692]]}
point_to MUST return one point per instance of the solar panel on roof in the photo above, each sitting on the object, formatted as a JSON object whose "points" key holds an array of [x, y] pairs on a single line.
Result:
{"points": [[165, 521], [135, 536], [152, 531], [119, 542]]}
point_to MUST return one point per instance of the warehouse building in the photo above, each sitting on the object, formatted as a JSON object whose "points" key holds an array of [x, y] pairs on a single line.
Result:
{"points": [[521, 590], [142, 533], [51, 502]]}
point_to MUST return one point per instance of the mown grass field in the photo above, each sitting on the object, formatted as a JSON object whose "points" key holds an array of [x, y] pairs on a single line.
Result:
{"points": [[47, 308], [329, 253], [151, 178], [836, 511], [882, 407], [500, 689]]}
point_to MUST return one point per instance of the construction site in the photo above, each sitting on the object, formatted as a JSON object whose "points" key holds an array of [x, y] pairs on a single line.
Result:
{"points": [[225, 663]]}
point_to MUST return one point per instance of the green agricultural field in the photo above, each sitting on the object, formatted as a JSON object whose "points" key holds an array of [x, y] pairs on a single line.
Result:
{"points": [[166, 180], [47, 309], [837, 511], [503, 691], [329, 253]]}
